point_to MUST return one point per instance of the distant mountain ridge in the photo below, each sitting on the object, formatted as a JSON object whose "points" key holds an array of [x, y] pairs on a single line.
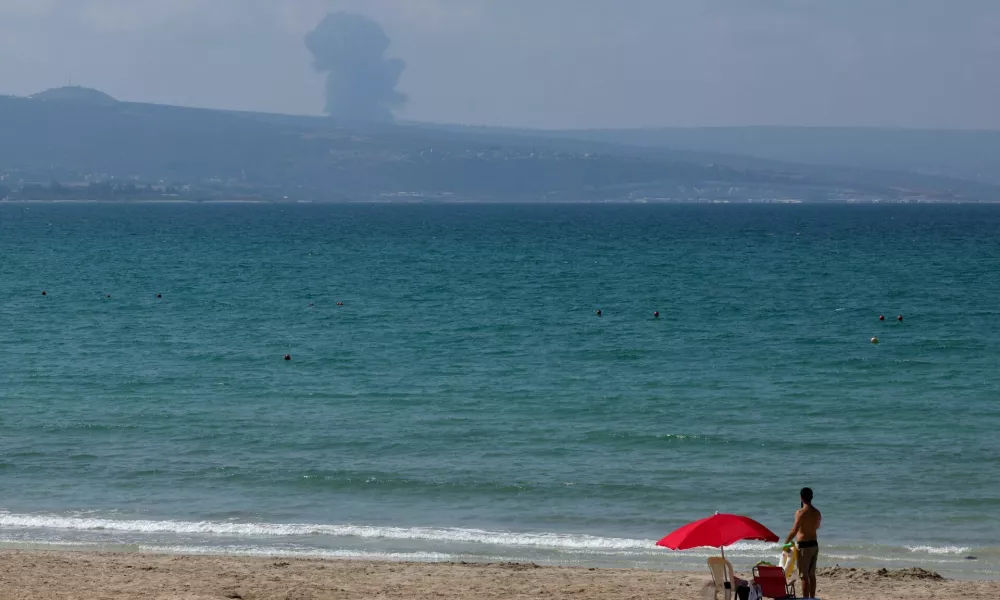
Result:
{"points": [[964, 154], [78, 136], [77, 95]]}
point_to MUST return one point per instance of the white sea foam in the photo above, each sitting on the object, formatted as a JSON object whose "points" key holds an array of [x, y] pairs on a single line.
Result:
{"points": [[560, 542], [939, 549], [303, 553], [233, 550], [453, 535]]}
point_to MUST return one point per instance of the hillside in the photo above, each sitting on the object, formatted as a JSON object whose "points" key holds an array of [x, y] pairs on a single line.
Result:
{"points": [[972, 155], [76, 95], [91, 145]]}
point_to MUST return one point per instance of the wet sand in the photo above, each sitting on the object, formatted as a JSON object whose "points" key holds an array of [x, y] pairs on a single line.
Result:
{"points": [[92, 576]]}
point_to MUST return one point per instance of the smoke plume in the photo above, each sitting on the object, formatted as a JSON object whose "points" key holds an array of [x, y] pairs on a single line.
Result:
{"points": [[361, 81]]}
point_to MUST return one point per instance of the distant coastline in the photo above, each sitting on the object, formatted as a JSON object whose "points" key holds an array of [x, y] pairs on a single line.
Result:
{"points": [[94, 147], [439, 201]]}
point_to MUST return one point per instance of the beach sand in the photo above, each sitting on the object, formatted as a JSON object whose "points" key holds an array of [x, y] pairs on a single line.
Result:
{"points": [[87, 576]]}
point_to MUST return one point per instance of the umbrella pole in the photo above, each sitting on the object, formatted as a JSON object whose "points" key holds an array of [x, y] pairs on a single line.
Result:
{"points": [[723, 550]]}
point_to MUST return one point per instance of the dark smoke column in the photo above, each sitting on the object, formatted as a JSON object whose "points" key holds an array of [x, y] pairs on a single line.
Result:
{"points": [[361, 84]]}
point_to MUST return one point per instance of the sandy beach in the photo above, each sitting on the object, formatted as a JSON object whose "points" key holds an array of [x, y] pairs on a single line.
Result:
{"points": [[86, 576]]}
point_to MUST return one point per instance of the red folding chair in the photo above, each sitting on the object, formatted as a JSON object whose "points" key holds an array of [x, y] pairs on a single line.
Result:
{"points": [[772, 582]]}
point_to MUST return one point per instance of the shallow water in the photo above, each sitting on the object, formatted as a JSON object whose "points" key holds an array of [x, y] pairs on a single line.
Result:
{"points": [[467, 402]]}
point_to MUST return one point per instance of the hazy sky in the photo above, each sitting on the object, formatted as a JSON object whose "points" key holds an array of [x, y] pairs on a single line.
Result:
{"points": [[539, 63]]}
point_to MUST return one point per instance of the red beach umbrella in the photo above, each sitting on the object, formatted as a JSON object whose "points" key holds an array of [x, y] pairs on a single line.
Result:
{"points": [[717, 531]]}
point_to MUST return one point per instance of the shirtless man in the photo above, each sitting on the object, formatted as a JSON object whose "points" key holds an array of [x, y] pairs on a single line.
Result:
{"points": [[807, 521]]}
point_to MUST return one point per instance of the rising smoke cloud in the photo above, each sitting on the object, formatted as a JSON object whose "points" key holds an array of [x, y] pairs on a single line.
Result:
{"points": [[361, 81]]}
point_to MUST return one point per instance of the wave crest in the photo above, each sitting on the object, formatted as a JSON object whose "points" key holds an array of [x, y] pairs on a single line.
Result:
{"points": [[455, 535], [939, 549]]}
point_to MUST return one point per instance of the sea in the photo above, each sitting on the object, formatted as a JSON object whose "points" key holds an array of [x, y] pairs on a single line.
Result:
{"points": [[453, 395]]}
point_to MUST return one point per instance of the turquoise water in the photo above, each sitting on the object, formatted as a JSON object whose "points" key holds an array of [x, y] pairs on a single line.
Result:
{"points": [[466, 403]]}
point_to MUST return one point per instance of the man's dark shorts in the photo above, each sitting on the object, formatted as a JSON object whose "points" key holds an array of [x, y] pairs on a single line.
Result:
{"points": [[808, 557]]}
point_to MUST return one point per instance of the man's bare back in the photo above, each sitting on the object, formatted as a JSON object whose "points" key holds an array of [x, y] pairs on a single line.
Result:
{"points": [[809, 520]]}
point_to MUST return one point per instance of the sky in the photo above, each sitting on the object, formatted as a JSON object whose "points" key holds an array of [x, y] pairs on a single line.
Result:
{"points": [[538, 63]]}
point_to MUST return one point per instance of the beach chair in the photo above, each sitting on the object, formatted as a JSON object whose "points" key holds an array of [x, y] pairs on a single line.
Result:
{"points": [[772, 583], [724, 576]]}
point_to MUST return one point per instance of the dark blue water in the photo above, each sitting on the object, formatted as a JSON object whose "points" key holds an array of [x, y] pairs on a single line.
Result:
{"points": [[466, 401]]}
